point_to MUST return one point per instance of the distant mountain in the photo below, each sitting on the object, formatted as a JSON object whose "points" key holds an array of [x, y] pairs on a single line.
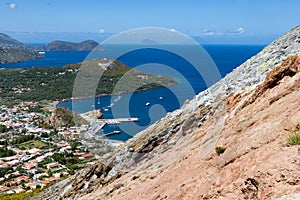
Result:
{"points": [[13, 55], [57, 45], [148, 41], [11, 51], [7, 41]]}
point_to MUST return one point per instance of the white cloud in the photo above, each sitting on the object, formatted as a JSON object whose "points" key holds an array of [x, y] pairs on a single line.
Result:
{"points": [[238, 31], [12, 6], [101, 30], [172, 30], [241, 30], [208, 32]]}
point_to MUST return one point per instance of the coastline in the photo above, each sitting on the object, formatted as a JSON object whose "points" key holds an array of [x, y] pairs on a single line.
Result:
{"points": [[114, 94]]}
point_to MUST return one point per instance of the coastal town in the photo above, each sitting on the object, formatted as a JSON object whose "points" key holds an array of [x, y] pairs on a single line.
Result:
{"points": [[34, 155]]}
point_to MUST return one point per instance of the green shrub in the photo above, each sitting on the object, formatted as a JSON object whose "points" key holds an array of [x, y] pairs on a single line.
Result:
{"points": [[135, 177], [220, 150], [294, 138]]}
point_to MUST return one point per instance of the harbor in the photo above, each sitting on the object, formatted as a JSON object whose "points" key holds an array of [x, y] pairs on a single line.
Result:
{"points": [[97, 126]]}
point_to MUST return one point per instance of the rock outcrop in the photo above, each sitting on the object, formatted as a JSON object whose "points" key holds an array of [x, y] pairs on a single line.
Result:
{"points": [[92, 115], [62, 117], [250, 112]]}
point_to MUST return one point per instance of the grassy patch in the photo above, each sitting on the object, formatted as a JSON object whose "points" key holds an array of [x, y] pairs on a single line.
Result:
{"points": [[220, 150], [294, 138], [32, 144], [20, 195]]}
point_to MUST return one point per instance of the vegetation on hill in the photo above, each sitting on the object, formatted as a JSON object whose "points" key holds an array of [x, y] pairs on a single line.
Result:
{"points": [[13, 55], [86, 45], [4, 152], [51, 83], [294, 137]]}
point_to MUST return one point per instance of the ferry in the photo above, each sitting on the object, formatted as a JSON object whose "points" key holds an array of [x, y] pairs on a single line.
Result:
{"points": [[41, 52]]}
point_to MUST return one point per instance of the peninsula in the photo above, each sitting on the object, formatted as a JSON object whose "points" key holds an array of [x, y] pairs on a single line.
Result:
{"points": [[56, 84]]}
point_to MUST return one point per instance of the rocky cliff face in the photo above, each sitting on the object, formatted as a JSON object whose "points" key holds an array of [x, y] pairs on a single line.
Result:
{"points": [[250, 112], [62, 117]]}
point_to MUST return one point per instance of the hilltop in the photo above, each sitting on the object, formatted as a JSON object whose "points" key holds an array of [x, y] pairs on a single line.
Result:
{"points": [[7, 41], [229, 142], [57, 45]]}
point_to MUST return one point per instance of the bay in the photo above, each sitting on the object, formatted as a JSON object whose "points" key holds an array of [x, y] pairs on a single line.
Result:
{"points": [[162, 100]]}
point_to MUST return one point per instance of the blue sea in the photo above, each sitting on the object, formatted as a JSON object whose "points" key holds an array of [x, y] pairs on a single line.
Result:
{"points": [[161, 100]]}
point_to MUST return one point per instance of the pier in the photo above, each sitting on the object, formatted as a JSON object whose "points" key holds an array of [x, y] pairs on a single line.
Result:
{"points": [[108, 134], [97, 126], [118, 120]]}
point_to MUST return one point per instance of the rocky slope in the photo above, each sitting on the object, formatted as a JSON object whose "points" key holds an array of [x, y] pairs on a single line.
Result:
{"points": [[250, 112], [13, 55]]}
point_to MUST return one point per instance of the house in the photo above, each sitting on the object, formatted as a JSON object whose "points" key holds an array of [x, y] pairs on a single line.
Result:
{"points": [[18, 190], [32, 185], [63, 144], [77, 153], [36, 176], [29, 165], [3, 189], [88, 155], [35, 151], [13, 163], [52, 165], [64, 173], [75, 135], [21, 178], [51, 179]]}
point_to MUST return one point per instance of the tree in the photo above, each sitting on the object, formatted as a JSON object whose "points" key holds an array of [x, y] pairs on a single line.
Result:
{"points": [[44, 135], [3, 128], [30, 175]]}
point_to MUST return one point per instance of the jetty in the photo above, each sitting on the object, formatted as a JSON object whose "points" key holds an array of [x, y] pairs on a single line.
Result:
{"points": [[97, 126], [108, 134], [118, 120]]}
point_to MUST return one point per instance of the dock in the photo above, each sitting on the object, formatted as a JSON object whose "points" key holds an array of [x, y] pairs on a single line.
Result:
{"points": [[111, 133], [118, 120], [94, 129], [97, 126]]}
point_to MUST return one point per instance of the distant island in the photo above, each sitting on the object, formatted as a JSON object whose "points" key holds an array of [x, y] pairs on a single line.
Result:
{"points": [[12, 51], [51, 83], [87, 45]]}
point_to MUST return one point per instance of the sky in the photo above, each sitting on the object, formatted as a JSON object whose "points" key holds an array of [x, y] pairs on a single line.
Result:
{"points": [[215, 21]]}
